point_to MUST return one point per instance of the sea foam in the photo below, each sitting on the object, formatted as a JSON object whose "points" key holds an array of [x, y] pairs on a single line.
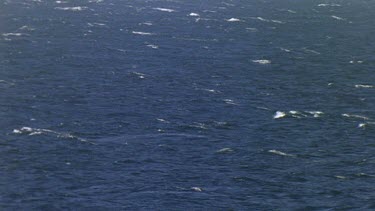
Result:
{"points": [[279, 115], [194, 14], [36, 131], [79, 8], [164, 9], [262, 61], [142, 33], [276, 152], [233, 20]]}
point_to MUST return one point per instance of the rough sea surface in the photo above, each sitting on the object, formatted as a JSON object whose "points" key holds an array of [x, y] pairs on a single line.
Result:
{"points": [[187, 105]]}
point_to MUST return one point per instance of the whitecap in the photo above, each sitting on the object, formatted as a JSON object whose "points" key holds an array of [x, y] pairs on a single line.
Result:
{"points": [[286, 50], [198, 189], [301, 114], [17, 131], [262, 61], [99, 24], [142, 33], [266, 20], [277, 21], [229, 101], [162, 120], [363, 86], [79, 8], [233, 20], [224, 150], [296, 114], [7, 82], [262, 19], [26, 129], [364, 175], [211, 90], [355, 116], [316, 114], [329, 5], [152, 46], [279, 114], [140, 75], [146, 23], [337, 17], [36, 131], [210, 11], [13, 34], [27, 28], [199, 125], [280, 153], [164, 9], [362, 125], [194, 14]]}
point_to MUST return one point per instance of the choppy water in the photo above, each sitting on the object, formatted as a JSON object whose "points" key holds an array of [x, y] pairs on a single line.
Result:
{"points": [[196, 105]]}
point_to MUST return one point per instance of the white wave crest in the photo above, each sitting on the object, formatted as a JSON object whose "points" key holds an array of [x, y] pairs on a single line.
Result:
{"points": [[280, 153], [279, 115], [142, 33], [12, 34], [230, 102], [363, 86], [164, 9], [268, 20], [194, 14], [262, 61], [233, 20], [355, 116], [329, 5], [36, 131], [79, 8], [152, 46], [316, 114], [338, 18], [224, 150]]}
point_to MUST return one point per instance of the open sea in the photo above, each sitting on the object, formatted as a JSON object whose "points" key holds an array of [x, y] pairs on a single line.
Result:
{"points": [[187, 105]]}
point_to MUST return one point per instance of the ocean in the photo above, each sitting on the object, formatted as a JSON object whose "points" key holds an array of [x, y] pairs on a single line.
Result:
{"points": [[187, 105]]}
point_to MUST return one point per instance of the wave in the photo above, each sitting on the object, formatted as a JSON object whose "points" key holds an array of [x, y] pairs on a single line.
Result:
{"points": [[142, 33], [79, 8], [37, 131], [164, 9]]}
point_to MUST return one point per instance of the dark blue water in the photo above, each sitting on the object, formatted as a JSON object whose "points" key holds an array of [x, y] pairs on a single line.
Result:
{"points": [[187, 105]]}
